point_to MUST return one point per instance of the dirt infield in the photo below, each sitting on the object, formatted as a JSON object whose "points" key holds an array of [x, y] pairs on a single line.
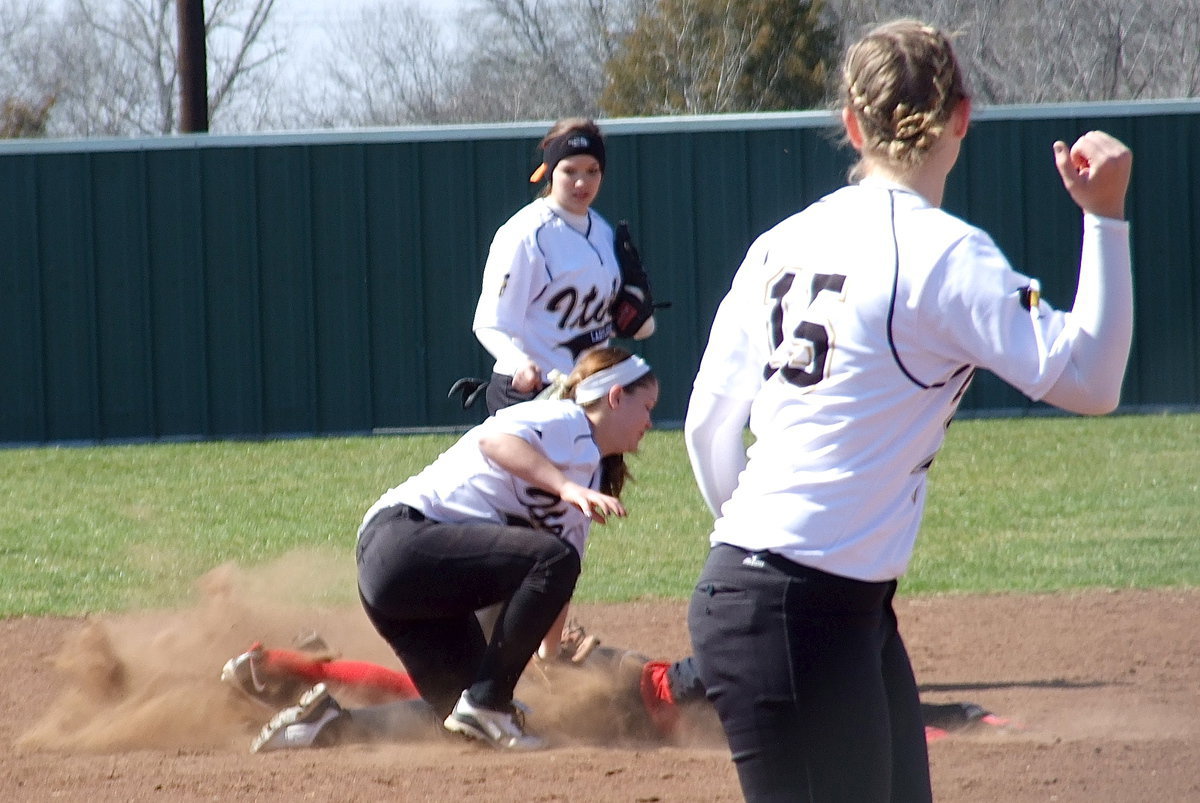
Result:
{"points": [[1102, 689]]}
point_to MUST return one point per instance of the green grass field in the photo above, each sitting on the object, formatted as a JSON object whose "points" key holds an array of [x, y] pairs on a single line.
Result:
{"points": [[1035, 504]]}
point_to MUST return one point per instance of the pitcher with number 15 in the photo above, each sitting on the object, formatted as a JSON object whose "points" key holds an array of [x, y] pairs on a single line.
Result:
{"points": [[847, 340]]}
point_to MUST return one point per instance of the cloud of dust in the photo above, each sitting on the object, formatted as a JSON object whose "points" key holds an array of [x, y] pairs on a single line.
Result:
{"points": [[600, 703], [152, 679], [574, 705]]}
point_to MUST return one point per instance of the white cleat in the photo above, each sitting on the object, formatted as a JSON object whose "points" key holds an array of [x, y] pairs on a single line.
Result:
{"points": [[504, 730], [309, 723]]}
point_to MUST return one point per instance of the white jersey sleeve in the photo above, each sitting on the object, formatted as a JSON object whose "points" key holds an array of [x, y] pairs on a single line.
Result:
{"points": [[1103, 314], [462, 484], [732, 364], [974, 308], [712, 432], [512, 276], [729, 377], [971, 309]]}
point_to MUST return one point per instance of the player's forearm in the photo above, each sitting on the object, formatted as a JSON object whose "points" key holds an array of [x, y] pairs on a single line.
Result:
{"points": [[1104, 301], [1103, 313], [509, 357], [712, 432], [522, 460]]}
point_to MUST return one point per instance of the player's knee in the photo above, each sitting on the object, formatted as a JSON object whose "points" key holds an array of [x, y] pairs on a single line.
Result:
{"points": [[557, 568]]}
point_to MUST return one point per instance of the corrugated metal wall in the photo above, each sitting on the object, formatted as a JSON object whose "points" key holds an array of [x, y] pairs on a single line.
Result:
{"points": [[325, 283]]}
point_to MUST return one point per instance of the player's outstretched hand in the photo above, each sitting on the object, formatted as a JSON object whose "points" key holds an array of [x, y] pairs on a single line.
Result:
{"points": [[595, 505], [1095, 171]]}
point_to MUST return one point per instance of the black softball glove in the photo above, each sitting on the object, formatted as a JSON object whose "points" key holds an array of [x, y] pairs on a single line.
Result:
{"points": [[634, 304]]}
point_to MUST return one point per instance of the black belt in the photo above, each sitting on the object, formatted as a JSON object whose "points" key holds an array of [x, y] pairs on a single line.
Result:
{"points": [[799, 570], [407, 512], [397, 512]]}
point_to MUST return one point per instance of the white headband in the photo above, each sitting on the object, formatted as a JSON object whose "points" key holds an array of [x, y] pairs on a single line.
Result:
{"points": [[597, 385]]}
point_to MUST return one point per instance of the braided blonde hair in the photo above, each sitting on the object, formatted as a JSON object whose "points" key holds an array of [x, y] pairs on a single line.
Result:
{"points": [[902, 82]]}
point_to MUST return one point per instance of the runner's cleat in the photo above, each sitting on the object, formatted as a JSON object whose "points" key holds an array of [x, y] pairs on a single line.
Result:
{"points": [[248, 674], [576, 644], [313, 722]]}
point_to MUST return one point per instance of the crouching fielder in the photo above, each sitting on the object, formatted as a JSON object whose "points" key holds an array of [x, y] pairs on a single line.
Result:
{"points": [[500, 517], [848, 337]]}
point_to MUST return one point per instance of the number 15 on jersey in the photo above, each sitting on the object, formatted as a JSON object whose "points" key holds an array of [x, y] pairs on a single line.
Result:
{"points": [[801, 355]]}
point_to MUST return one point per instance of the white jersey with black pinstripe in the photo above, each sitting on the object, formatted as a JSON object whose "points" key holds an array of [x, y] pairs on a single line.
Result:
{"points": [[549, 287], [463, 485], [855, 347]]}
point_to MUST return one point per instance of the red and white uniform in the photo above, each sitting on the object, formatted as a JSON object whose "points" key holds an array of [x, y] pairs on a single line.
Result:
{"points": [[462, 485], [548, 285], [850, 350]]}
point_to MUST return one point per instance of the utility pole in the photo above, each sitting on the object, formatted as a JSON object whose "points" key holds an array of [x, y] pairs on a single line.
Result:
{"points": [[193, 68]]}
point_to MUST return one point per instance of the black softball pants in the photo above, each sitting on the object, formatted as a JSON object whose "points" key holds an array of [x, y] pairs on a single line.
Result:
{"points": [[811, 681], [500, 394], [421, 582]]}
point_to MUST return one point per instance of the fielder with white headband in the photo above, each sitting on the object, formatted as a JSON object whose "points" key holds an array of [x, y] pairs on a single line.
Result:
{"points": [[501, 518], [598, 385]]}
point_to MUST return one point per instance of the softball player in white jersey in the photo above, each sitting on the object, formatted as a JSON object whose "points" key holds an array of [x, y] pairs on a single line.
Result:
{"points": [[847, 339], [551, 273], [500, 517]]}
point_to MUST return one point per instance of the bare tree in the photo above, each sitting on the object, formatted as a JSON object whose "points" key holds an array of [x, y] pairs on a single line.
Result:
{"points": [[117, 71], [388, 65], [111, 64], [503, 60], [237, 48], [541, 59], [536, 44], [25, 101], [108, 68], [1040, 51]]}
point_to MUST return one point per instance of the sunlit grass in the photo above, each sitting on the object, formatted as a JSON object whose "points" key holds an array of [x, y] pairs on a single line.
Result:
{"points": [[1033, 504]]}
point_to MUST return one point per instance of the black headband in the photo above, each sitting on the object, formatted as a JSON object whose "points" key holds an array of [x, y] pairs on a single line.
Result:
{"points": [[573, 143]]}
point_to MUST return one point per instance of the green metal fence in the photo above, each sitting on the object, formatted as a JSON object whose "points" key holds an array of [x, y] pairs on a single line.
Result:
{"points": [[209, 286]]}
